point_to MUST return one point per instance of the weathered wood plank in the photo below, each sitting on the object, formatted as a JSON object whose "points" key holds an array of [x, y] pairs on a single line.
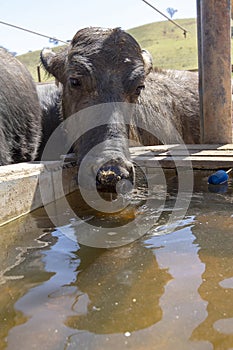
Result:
{"points": [[173, 162], [199, 147], [174, 153], [170, 156]]}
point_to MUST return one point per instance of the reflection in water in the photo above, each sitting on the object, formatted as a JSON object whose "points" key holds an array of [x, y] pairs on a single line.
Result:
{"points": [[46, 305], [159, 292], [21, 268], [133, 295], [182, 307], [96, 290], [214, 235], [122, 287]]}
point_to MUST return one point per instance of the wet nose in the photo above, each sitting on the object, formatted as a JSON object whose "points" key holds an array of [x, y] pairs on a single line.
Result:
{"points": [[113, 177]]}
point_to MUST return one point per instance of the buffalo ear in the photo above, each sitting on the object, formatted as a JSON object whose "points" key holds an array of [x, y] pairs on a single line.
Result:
{"points": [[148, 61], [53, 63]]}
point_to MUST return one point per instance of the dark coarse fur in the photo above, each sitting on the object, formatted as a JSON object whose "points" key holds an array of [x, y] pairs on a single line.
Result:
{"points": [[169, 107], [20, 115], [50, 103]]}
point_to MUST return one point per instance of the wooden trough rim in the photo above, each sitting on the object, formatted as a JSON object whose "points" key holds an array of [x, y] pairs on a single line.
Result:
{"points": [[205, 156]]}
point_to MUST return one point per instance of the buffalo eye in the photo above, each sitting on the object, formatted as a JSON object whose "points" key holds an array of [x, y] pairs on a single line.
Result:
{"points": [[75, 83], [139, 89]]}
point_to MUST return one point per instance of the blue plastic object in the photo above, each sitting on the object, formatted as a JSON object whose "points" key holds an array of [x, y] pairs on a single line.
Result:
{"points": [[218, 178]]}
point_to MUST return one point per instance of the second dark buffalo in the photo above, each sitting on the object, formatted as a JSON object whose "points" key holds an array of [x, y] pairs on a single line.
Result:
{"points": [[20, 113]]}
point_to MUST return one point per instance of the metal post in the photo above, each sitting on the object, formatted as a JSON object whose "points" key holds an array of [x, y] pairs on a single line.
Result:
{"points": [[214, 53], [199, 42], [38, 74]]}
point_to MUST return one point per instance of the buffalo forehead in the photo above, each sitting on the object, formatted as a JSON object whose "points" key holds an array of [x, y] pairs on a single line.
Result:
{"points": [[111, 47]]}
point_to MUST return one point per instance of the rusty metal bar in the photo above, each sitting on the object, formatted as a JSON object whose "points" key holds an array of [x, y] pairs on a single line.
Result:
{"points": [[199, 42], [185, 31], [38, 74], [214, 46]]}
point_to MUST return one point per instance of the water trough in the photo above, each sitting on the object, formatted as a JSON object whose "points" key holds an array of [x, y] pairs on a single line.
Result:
{"points": [[20, 184]]}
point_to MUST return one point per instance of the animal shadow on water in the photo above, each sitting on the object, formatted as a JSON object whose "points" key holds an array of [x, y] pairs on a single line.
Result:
{"points": [[113, 290], [117, 289]]}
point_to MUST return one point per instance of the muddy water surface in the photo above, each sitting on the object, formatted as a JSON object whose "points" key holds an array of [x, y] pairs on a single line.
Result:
{"points": [[162, 291]]}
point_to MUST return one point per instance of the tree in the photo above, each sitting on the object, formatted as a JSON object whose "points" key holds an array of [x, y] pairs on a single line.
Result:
{"points": [[54, 41], [171, 11]]}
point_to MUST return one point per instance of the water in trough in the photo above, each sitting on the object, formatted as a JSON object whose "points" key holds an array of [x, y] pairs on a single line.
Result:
{"points": [[171, 287]]}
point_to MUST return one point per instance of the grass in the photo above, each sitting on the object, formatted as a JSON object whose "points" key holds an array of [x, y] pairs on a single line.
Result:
{"points": [[32, 60], [166, 43]]}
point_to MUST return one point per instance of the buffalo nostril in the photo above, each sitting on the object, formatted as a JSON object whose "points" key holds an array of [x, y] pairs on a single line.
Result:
{"points": [[113, 178], [111, 175]]}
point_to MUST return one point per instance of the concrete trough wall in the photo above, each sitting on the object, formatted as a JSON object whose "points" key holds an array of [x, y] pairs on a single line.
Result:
{"points": [[20, 186]]}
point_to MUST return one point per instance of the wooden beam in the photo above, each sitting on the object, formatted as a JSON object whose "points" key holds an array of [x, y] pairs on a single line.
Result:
{"points": [[202, 157], [214, 54]]}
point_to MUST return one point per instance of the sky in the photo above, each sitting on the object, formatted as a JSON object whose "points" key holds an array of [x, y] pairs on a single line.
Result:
{"points": [[63, 18]]}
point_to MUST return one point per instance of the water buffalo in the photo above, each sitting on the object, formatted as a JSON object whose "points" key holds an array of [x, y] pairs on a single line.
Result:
{"points": [[107, 66], [49, 97], [20, 114]]}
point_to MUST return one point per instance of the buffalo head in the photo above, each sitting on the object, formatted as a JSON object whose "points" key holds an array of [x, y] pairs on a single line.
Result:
{"points": [[99, 67]]}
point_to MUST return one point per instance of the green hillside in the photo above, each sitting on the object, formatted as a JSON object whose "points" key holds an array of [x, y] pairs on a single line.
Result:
{"points": [[165, 42], [32, 60]]}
